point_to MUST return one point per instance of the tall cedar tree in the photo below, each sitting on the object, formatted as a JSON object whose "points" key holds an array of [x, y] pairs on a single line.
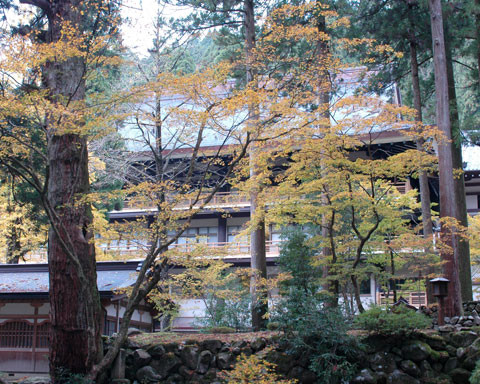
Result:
{"points": [[59, 51], [447, 166], [411, 34]]}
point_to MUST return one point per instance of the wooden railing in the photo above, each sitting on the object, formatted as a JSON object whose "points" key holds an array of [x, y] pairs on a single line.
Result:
{"points": [[415, 298], [217, 249], [219, 200]]}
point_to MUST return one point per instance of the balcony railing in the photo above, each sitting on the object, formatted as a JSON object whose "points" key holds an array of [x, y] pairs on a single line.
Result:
{"points": [[219, 200], [217, 249]]}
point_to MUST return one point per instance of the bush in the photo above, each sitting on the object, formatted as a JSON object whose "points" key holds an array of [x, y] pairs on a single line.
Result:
{"points": [[64, 376], [475, 378], [310, 324], [252, 369], [393, 321], [219, 330]]}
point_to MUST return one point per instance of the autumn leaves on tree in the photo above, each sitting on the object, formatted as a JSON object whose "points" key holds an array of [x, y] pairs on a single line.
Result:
{"points": [[302, 154]]}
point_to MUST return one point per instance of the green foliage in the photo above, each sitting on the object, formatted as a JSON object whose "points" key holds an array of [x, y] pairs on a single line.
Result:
{"points": [[475, 378], [219, 330], [229, 314], [305, 315], [394, 321], [64, 376]]}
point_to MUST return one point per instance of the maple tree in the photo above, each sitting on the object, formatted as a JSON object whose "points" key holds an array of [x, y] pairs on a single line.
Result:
{"points": [[167, 117], [21, 230], [363, 208]]}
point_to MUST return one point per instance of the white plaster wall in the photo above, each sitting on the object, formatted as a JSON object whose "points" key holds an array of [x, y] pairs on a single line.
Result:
{"points": [[111, 310], [476, 292], [44, 309], [191, 308], [146, 317], [472, 202], [17, 309], [204, 223], [236, 220], [135, 316]]}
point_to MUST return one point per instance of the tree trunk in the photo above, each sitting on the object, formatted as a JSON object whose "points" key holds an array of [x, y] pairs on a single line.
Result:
{"points": [[448, 192], [257, 235], [75, 309], [422, 176], [328, 253], [356, 293], [12, 255], [394, 280], [459, 181]]}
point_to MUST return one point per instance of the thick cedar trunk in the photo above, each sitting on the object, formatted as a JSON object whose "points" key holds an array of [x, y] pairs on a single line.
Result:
{"points": [[448, 192], [257, 234], [422, 176], [459, 182], [75, 309]]}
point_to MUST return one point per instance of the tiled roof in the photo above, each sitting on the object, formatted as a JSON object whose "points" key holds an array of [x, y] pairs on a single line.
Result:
{"points": [[28, 278]]}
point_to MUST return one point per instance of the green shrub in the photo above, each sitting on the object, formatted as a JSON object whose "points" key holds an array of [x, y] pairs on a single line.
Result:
{"points": [[475, 378], [219, 330], [304, 312], [393, 321], [64, 376]]}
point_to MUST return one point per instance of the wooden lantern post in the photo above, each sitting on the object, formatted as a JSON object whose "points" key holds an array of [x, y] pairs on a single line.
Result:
{"points": [[440, 291]]}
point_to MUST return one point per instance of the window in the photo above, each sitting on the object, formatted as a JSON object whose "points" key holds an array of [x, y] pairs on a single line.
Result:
{"points": [[243, 242], [16, 334], [43, 334], [275, 233], [199, 235], [365, 288], [232, 234], [109, 327]]}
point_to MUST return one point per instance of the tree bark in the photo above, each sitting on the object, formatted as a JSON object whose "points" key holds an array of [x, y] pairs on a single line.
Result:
{"points": [[257, 235], [459, 181], [448, 192], [328, 252], [75, 309], [356, 293], [422, 176]]}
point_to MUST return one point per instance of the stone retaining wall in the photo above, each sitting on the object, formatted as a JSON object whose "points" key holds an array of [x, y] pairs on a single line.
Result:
{"points": [[445, 357], [471, 317]]}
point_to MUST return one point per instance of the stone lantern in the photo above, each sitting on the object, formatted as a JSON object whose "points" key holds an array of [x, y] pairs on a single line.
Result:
{"points": [[440, 291]]}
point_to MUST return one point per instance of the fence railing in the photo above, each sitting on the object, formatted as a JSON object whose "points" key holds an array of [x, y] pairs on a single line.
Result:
{"points": [[213, 249], [219, 200], [415, 298]]}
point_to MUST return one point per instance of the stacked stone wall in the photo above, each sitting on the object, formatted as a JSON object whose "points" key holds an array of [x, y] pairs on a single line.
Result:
{"points": [[430, 357]]}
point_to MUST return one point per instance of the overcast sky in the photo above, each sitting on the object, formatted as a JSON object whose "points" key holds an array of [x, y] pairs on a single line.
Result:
{"points": [[139, 17]]}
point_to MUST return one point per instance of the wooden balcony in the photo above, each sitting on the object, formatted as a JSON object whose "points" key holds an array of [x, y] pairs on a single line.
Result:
{"points": [[219, 200], [214, 250]]}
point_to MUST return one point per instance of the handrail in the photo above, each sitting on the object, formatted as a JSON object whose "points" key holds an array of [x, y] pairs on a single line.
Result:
{"points": [[219, 199], [272, 246]]}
